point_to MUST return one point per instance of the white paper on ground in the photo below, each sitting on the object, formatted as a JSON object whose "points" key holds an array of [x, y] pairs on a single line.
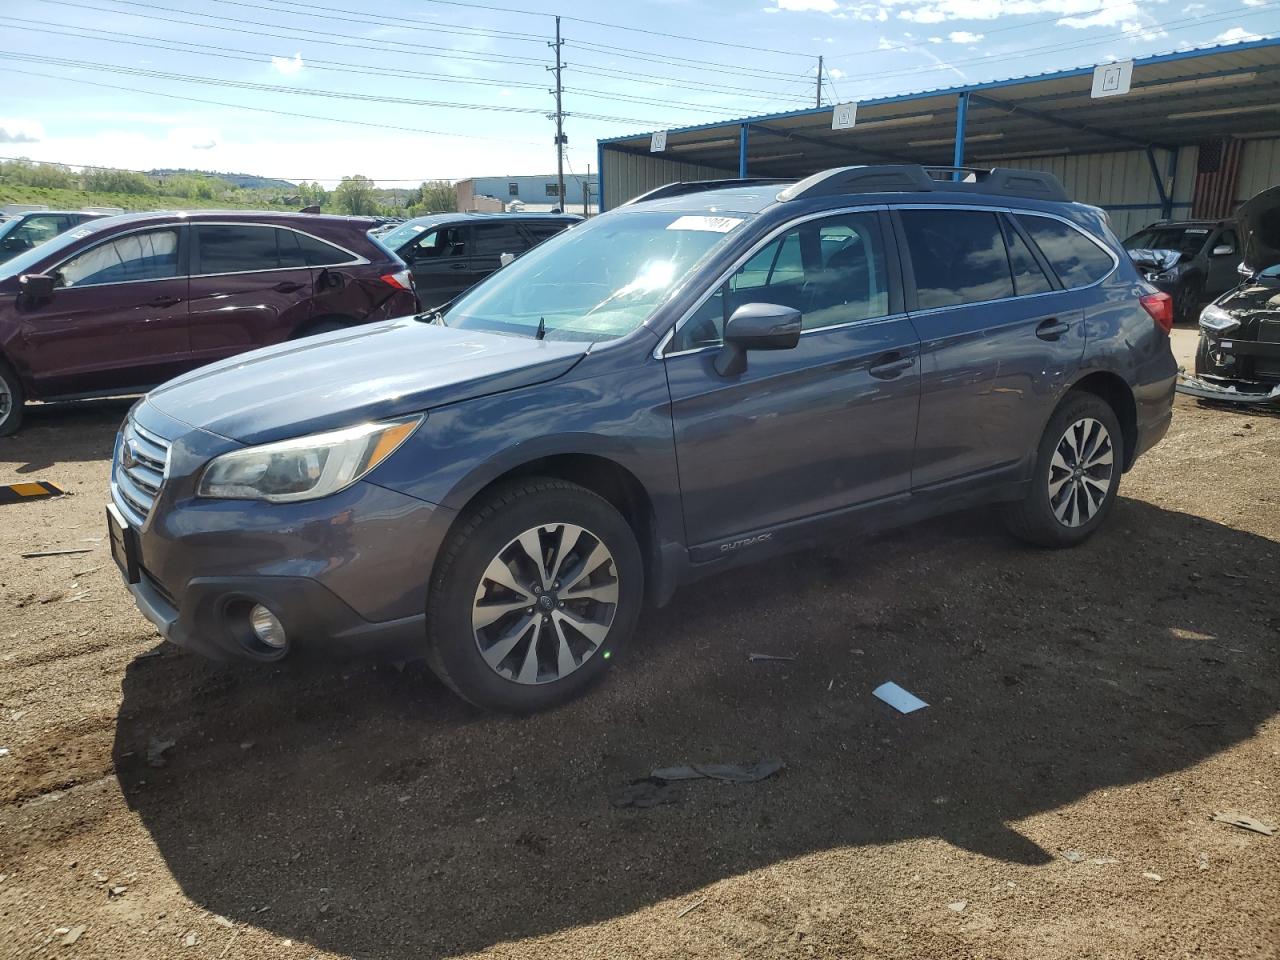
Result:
{"points": [[899, 699]]}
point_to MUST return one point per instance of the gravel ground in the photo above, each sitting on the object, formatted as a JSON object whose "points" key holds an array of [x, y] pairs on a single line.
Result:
{"points": [[1090, 710]]}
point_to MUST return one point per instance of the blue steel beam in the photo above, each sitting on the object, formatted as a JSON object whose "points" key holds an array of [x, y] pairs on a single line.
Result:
{"points": [[962, 119], [744, 136]]}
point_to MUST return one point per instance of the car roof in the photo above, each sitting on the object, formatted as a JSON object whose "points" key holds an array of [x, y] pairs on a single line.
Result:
{"points": [[436, 219], [271, 217], [1162, 224]]}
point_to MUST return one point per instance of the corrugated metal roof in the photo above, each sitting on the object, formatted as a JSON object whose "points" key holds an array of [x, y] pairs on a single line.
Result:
{"points": [[1176, 98]]}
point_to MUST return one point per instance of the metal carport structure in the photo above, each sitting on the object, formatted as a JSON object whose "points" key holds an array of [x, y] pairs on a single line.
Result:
{"points": [[1135, 154]]}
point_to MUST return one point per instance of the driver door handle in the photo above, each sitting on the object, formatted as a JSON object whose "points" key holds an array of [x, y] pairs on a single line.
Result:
{"points": [[457, 266], [891, 365], [164, 302], [287, 286]]}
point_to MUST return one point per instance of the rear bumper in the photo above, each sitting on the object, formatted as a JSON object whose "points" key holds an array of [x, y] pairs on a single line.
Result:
{"points": [[1242, 392]]}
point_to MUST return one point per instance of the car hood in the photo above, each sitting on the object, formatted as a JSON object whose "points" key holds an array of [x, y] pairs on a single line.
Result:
{"points": [[1252, 301], [1154, 259], [370, 372], [1259, 221]]}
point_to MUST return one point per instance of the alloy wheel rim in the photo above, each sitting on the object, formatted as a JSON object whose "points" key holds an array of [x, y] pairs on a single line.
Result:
{"points": [[1080, 472], [545, 603], [6, 401]]}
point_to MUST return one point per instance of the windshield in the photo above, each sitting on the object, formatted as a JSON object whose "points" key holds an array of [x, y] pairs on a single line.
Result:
{"points": [[398, 236], [598, 281], [24, 261], [1186, 240]]}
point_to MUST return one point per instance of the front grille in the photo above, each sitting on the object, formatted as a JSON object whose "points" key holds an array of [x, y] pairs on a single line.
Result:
{"points": [[138, 472]]}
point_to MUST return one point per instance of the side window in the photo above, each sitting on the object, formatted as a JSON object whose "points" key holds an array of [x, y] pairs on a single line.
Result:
{"points": [[832, 271], [439, 244], [1028, 277], [958, 256], [149, 255], [1228, 238], [234, 248], [1076, 259], [317, 253], [36, 230], [494, 239], [290, 249], [543, 231]]}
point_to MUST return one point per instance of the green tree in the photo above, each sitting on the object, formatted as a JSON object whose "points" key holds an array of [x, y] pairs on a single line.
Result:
{"points": [[356, 196], [118, 181], [433, 196]]}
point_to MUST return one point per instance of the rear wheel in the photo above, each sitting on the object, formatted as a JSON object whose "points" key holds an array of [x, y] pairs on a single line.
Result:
{"points": [[537, 589], [1186, 307], [11, 401], [1077, 475]]}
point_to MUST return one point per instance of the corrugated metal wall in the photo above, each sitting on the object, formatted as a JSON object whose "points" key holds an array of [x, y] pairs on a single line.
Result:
{"points": [[627, 175], [1120, 181], [1259, 167]]}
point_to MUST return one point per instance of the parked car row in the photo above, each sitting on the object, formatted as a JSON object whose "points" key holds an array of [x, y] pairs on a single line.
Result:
{"points": [[707, 376], [1194, 261], [94, 306]]}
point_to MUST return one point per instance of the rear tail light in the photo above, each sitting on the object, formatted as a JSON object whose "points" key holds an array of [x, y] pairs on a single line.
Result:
{"points": [[401, 281], [1160, 306]]}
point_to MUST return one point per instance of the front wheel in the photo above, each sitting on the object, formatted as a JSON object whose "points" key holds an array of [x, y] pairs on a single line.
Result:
{"points": [[11, 400], [536, 591], [1077, 475]]}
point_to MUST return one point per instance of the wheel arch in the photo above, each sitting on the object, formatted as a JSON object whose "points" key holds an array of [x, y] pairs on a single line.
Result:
{"points": [[304, 328], [1116, 392], [603, 476]]}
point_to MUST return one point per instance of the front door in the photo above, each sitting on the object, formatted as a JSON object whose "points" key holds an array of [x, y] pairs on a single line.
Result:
{"points": [[826, 425], [492, 239], [1224, 270], [1000, 337], [250, 286], [441, 264], [117, 320]]}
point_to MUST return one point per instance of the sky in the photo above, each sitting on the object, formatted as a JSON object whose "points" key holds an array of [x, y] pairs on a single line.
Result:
{"points": [[447, 89]]}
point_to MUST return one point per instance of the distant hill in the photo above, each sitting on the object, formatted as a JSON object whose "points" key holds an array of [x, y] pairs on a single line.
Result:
{"points": [[245, 180]]}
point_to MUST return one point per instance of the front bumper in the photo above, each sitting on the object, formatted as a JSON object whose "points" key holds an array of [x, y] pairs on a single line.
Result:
{"points": [[209, 619], [1239, 392]]}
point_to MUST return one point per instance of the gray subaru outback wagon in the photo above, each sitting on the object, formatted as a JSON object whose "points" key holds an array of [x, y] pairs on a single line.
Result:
{"points": [[704, 377]]}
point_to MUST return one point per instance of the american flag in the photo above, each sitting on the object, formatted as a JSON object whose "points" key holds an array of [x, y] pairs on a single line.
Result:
{"points": [[1216, 173]]}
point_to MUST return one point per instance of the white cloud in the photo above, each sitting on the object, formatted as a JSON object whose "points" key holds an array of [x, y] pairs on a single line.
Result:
{"points": [[936, 40], [805, 6], [193, 138], [1254, 3], [963, 36], [835, 73], [1236, 35], [20, 130], [287, 65]]}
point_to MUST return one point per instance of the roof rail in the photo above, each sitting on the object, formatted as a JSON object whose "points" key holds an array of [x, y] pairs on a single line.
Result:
{"points": [[913, 178], [697, 186]]}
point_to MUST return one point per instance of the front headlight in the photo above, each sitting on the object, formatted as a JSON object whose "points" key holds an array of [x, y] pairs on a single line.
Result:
{"points": [[1216, 320], [305, 468]]}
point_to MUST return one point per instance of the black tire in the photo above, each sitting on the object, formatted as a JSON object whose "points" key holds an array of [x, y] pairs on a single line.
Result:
{"points": [[12, 398], [489, 529], [1202, 356], [1033, 518], [1186, 305]]}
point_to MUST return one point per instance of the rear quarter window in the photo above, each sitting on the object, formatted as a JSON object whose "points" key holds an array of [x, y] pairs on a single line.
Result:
{"points": [[1076, 259]]}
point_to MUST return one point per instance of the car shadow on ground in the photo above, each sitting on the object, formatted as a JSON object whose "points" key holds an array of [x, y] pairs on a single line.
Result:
{"points": [[74, 431], [364, 810]]}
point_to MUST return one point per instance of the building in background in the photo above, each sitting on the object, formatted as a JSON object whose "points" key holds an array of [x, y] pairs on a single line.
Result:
{"points": [[531, 194]]}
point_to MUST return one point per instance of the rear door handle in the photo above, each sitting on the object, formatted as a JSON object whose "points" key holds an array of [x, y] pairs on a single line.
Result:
{"points": [[164, 302], [891, 365], [457, 266], [1052, 329], [287, 286]]}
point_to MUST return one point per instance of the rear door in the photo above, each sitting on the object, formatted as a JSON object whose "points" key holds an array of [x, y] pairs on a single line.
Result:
{"points": [[490, 240], [818, 428], [440, 261], [117, 320], [250, 286], [999, 339]]}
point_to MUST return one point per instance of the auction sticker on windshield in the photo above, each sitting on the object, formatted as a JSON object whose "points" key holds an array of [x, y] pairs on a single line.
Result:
{"points": [[709, 224]]}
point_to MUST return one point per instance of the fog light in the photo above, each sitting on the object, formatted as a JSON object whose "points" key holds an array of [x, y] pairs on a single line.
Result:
{"points": [[267, 628]]}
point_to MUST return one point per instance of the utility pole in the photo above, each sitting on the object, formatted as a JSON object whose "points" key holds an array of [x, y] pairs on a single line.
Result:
{"points": [[561, 139], [819, 82]]}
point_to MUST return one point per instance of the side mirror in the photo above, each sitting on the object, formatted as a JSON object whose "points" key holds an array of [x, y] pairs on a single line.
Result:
{"points": [[14, 243], [1223, 250], [37, 288], [504, 259], [756, 326]]}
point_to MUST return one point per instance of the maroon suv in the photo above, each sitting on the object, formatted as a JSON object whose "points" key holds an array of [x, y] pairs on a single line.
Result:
{"points": [[118, 305]]}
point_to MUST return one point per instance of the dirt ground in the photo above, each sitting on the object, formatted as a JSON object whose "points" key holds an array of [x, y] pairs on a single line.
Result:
{"points": [[1089, 711]]}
